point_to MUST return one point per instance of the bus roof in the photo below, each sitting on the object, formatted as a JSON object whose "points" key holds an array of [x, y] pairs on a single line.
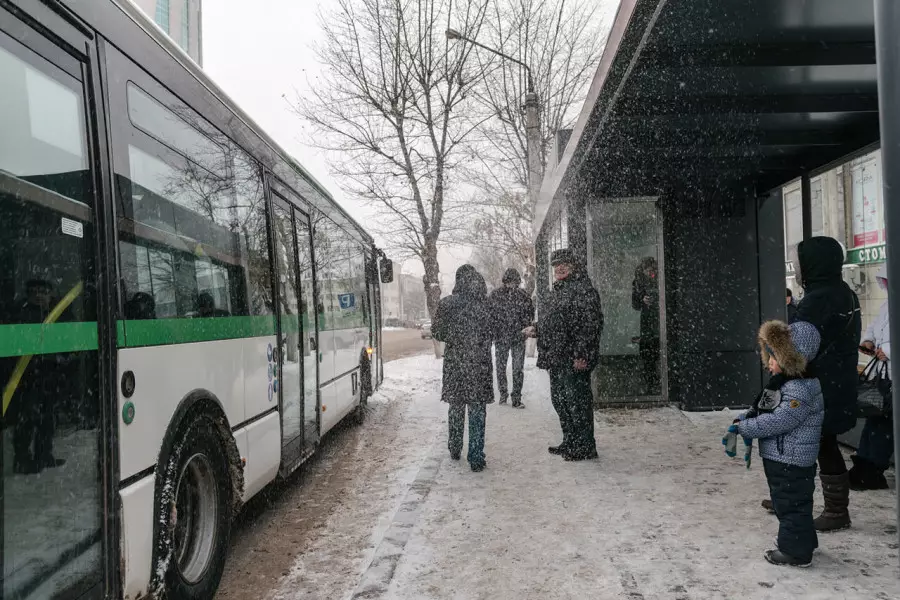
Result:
{"points": [[137, 15]]}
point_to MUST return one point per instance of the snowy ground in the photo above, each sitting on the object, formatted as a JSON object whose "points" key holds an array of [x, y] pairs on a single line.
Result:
{"points": [[662, 514]]}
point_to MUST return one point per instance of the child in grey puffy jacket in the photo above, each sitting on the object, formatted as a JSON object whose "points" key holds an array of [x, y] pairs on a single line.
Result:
{"points": [[787, 420]]}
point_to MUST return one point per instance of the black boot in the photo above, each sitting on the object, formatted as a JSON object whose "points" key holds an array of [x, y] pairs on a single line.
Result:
{"points": [[866, 476], [767, 504], [836, 490], [557, 449], [577, 456], [779, 558]]}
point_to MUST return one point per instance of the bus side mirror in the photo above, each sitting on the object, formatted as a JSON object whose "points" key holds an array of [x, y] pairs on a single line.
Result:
{"points": [[386, 266]]}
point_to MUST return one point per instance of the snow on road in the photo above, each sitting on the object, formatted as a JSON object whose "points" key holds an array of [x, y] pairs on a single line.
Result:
{"points": [[662, 514]]}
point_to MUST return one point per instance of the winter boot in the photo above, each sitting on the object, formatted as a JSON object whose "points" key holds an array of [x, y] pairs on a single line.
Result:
{"points": [[779, 558], [866, 476], [767, 504], [836, 490]]}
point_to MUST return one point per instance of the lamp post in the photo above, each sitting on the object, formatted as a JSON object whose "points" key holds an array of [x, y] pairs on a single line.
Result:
{"points": [[532, 118], [532, 134]]}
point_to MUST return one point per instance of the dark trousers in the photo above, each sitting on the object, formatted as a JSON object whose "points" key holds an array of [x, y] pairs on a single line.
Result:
{"points": [[502, 349], [792, 497], [831, 461], [877, 442], [650, 359], [457, 422], [570, 393]]}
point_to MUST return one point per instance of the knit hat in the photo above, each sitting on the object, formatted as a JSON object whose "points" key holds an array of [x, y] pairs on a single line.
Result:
{"points": [[563, 256], [512, 276], [793, 346]]}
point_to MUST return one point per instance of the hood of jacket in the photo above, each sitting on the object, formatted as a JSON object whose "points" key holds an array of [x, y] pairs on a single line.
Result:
{"points": [[881, 277], [820, 260], [469, 282], [792, 345]]}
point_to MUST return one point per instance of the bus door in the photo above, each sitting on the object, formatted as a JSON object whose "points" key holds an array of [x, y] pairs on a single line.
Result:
{"points": [[297, 356], [372, 281], [51, 493]]}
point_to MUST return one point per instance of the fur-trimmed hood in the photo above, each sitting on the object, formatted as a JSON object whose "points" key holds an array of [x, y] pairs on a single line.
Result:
{"points": [[792, 345]]}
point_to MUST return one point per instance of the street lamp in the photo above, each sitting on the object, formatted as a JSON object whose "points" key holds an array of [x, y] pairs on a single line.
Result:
{"points": [[532, 118]]}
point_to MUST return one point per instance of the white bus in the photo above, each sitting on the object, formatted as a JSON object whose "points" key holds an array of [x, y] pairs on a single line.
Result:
{"points": [[184, 311]]}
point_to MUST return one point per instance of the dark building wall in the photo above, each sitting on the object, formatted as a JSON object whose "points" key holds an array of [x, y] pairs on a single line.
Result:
{"points": [[712, 297], [770, 237]]}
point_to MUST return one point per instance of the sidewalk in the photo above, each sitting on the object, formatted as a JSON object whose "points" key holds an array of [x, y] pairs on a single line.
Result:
{"points": [[662, 514]]}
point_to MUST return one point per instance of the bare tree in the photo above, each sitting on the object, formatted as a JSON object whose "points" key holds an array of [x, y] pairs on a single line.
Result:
{"points": [[561, 41], [501, 233], [396, 107]]}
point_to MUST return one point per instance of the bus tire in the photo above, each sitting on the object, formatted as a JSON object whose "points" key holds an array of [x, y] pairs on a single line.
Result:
{"points": [[194, 494]]}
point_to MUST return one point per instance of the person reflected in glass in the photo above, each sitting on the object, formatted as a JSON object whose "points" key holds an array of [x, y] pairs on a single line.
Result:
{"points": [[645, 298], [141, 306], [38, 391], [206, 306]]}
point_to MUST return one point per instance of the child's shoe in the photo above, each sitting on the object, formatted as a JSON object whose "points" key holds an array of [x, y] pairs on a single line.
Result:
{"points": [[780, 559]]}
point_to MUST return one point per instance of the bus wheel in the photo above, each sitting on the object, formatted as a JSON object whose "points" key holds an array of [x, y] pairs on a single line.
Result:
{"points": [[195, 513]]}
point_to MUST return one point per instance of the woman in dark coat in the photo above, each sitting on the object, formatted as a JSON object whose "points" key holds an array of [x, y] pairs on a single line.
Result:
{"points": [[463, 322], [830, 305]]}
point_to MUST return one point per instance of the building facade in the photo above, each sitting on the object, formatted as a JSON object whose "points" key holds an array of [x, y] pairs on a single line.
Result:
{"points": [[846, 203], [181, 20], [679, 187]]}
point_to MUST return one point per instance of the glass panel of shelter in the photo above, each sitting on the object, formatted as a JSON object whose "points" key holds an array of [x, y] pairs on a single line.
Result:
{"points": [[625, 268]]}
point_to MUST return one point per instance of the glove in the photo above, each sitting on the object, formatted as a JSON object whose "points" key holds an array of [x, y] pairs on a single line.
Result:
{"points": [[730, 443]]}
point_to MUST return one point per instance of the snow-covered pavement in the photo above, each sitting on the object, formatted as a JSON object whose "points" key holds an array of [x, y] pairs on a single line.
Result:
{"points": [[662, 514]]}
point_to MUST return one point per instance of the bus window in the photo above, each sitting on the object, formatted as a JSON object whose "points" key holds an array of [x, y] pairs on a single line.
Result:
{"points": [[50, 433], [193, 239]]}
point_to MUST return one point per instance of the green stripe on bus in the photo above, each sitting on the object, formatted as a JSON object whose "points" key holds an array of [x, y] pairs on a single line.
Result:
{"points": [[161, 332], [38, 338], [290, 323]]}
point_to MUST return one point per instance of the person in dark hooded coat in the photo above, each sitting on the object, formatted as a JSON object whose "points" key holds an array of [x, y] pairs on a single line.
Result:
{"points": [[463, 322], [830, 305], [568, 337], [512, 310]]}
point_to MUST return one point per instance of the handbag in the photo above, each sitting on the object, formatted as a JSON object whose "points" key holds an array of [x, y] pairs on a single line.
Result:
{"points": [[870, 398]]}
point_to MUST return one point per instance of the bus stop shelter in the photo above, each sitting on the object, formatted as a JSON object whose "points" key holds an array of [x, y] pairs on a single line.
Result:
{"points": [[707, 109]]}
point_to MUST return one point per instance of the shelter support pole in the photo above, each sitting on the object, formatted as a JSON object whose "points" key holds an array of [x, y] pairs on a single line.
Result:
{"points": [[806, 205], [887, 47]]}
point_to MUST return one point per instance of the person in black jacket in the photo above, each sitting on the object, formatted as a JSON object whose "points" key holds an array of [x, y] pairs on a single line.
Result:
{"points": [[512, 310], [568, 335], [645, 298], [463, 321], [830, 305], [791, 306]]}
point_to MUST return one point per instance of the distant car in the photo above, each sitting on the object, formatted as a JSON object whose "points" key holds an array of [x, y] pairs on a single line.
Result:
{"points": [[426, 330]]}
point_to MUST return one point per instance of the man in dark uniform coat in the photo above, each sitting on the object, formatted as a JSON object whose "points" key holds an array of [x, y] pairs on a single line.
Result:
{"points": [[568, 335]]}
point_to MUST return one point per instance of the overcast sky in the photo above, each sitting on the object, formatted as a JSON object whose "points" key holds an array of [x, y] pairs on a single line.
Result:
{"points": [[261, 54]]}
